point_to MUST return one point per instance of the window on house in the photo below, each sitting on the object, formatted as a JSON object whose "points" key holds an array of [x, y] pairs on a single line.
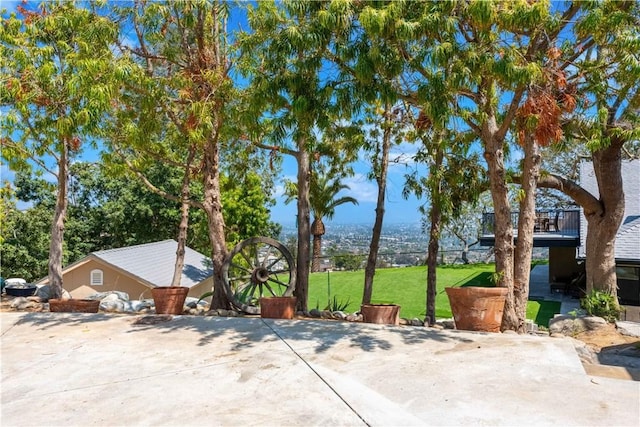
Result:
{"points": [[96, 277]]}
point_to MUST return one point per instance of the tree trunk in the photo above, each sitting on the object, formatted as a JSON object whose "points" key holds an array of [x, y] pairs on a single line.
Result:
{"points": [[317, 249], [435, 216], [304, 227], [317, 230], [602, 229], [432, 261], [184, 221], [374, 246], [57, 225], [503, 246], [526, 223], [604, 214], [212, 204]]}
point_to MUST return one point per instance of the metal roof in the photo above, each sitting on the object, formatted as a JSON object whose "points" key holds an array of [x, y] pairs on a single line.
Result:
{"points": [[154, 263]]}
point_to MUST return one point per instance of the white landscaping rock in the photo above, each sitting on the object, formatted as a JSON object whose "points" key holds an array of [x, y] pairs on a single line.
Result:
{"points": [[569, 325], [631, 329], [44, 293], [112, 305], [112, 295]]}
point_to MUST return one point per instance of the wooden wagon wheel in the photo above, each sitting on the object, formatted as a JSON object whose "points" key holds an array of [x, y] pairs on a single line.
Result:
{"points": [[257, 267]]}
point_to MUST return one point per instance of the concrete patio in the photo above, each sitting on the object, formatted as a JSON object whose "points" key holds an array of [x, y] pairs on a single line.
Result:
{"points": [[108, 370]]}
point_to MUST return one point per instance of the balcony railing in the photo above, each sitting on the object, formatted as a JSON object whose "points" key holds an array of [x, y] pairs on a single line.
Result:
{"points": [[558, 222]]}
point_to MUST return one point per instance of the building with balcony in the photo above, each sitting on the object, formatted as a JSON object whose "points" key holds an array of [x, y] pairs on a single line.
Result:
{"points": [[564, 233], [558, 230]]}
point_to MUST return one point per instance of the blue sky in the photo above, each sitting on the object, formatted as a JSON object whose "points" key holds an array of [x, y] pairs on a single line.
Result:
{"points": [[397, 209]]}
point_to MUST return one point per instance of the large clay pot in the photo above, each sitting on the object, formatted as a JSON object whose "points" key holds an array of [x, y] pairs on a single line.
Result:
{"points": [[74, 305], [169, 299], [278, 307], [385, 314], [477, 308]]}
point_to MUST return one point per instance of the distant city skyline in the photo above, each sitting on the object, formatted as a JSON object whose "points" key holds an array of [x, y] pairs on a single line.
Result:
{"points": [[397, 208]]}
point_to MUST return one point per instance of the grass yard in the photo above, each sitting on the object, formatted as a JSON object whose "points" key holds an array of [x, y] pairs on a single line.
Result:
{"points": [[407, 288]]}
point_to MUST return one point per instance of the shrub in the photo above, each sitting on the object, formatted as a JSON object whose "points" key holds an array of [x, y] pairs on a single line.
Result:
{"points": [[601, 304]]}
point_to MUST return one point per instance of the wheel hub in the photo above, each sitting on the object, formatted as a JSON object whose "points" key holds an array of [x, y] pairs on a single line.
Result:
{"points": [[260, 275]]}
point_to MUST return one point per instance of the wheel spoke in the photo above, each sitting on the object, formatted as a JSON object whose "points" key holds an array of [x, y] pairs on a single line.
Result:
{"points": [[279, 282], [240, 277], [247, 258], [277, 260], [242, 287], [266, 258], [266, 285]]}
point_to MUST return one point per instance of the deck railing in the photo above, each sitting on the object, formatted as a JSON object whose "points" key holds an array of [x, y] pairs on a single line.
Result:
{"points": [[560, 222]]}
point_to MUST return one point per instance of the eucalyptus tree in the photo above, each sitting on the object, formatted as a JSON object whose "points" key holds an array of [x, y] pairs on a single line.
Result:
{"points": [[58, 76], [294, 98], [324, 186]]}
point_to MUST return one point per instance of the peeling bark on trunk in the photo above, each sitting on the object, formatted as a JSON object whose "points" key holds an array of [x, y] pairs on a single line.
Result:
{"points": [[57, 226], [602, 228], [374, 246], [304, 227], [526, 223]]}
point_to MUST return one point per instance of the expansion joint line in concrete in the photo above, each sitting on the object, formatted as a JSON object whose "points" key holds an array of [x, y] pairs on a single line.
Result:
{"points": [[317, 374]]}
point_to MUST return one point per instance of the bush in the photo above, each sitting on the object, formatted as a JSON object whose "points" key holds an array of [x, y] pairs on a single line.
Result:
{"points": [[601, 304]]}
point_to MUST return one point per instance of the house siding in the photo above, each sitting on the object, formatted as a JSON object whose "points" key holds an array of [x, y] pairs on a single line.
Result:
{"points": [[77, 282]]}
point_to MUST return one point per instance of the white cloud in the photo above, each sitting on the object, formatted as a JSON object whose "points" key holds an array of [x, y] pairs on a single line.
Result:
{"points": [[361, 189]]}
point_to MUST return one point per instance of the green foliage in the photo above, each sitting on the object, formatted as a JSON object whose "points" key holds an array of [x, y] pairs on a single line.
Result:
{"points": [[104, 212], [338, 305], [601, 304], [350, 262]]}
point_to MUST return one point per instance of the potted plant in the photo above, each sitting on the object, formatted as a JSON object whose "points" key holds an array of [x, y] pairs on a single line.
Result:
{"points": [[385, 314], [71, 305], [477, 308], [169, 299], [276, 307]]}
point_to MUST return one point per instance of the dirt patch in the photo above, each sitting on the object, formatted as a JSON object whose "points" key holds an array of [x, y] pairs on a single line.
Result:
{"points": [[606, 336]]}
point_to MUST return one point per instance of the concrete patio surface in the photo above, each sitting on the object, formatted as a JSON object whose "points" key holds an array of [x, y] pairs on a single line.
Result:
{"points": [[109, 370]]}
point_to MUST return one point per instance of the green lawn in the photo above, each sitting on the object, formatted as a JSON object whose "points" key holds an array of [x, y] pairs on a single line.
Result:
{"points": [[407, 288]]}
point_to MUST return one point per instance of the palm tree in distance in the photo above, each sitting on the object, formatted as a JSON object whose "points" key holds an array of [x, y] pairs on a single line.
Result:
{"points": [[323, 191]]}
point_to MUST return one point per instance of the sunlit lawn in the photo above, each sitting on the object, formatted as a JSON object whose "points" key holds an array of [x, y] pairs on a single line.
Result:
{"points": [[407, 288]]}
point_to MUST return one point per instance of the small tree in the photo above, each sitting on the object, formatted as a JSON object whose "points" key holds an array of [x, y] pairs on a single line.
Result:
{"points": [[58, 81]]}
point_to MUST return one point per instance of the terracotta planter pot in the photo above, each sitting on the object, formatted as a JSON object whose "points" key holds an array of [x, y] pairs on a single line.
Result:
{"points": [[74, 305], [278, 307], [385, 314], [477, 308], [169, 299]]}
